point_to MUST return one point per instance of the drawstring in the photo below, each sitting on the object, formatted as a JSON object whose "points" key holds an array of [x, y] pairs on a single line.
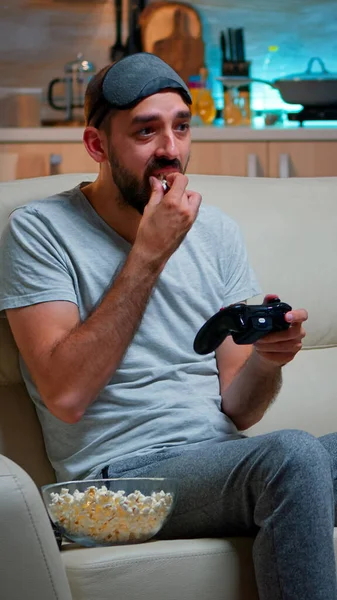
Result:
{"points": [[105, 473]]}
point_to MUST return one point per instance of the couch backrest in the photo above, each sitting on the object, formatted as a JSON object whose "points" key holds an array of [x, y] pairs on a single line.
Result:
{"points": [[290, 230]]}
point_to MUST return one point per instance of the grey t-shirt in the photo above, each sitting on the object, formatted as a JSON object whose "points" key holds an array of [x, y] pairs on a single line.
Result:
{"points": [[163, 395]]}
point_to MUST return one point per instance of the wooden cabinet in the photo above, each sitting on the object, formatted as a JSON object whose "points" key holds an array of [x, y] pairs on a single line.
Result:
{"points": [[39, 159], [265, 159], [238, 158], [302, 159], [229, 158]]}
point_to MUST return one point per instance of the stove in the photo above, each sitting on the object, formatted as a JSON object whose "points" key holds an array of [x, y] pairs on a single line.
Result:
{"points": [[315, 113]]}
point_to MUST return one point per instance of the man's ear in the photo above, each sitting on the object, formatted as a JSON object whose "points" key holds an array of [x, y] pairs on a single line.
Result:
{"points": [[95, 143]]}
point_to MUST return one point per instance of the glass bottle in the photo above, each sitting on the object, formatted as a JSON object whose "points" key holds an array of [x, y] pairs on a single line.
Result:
{"points": [[195, 85], [206, 106]]}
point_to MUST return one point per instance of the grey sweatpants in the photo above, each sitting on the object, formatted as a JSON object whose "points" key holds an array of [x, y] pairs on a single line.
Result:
{"points": [[280, 487]]}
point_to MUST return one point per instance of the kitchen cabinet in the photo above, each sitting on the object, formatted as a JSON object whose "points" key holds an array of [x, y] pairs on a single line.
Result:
{"points": [[302, 159], [237, 157], [212, 158], [265, 159], [229, 158], [40, 159]]}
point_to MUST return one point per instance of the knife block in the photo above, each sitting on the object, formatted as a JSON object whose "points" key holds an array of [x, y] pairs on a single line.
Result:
{"points": [[237, 103]]}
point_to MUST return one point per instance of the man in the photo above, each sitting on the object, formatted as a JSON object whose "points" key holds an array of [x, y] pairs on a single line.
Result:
{"points": [[105, 287]]}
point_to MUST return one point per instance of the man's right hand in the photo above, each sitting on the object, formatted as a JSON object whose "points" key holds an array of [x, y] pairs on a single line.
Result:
{"points": [[167, 219]]}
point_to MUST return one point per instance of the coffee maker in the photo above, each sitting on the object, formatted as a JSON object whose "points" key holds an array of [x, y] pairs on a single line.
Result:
{"points": [[77, 75]]}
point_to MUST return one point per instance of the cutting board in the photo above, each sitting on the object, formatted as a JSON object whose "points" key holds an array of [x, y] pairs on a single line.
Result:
{"points": [[173, 31]]}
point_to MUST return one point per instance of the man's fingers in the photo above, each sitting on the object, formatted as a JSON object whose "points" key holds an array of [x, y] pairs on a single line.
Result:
{"points": [[178, 183], [157, 192], [296, 316], [280, 347], [294, 332], [194, 198], [269, 297]]}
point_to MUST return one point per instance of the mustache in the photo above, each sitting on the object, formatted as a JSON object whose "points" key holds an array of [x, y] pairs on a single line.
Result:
{"points": [[159, 163]]}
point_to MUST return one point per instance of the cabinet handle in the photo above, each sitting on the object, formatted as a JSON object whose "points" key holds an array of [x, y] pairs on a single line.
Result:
{"points": [[54, 162], [284, 166], [252, 165]]}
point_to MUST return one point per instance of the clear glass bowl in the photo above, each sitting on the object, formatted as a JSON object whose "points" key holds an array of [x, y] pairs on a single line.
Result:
{"points": [[108, 512]]}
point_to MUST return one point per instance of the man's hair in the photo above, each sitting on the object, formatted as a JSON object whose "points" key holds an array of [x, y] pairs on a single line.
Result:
{"points": [[96, 107]]}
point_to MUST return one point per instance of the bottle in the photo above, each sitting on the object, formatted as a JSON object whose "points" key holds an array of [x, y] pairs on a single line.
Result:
{"points": [[195, 85], [206, 106], [232, 108]]}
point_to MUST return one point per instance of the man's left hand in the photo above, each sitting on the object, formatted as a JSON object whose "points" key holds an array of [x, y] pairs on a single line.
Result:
{"points": [[281, 347]]}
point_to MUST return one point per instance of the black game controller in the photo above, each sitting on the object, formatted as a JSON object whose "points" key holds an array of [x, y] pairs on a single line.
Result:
{"points": [[245, 323]]}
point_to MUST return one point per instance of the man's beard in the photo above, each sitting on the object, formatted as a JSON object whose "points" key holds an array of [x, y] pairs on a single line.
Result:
{"points": [[133, 191]]}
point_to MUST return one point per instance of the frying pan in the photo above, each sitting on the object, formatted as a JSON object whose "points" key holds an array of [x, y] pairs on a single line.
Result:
{"points": [[309, 88]]}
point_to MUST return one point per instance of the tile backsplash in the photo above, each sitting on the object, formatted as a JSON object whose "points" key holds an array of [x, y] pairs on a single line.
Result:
{"points": [[37, 37]]}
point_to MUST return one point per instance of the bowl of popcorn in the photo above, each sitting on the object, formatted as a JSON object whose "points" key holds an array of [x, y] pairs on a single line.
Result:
{"points": [[107, 512]]}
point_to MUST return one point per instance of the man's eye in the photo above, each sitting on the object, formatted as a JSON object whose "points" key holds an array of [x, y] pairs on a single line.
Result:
{"points": [[145, 131], [183, 126]]}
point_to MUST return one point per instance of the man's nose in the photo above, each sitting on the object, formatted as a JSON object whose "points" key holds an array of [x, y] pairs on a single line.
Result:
{"points": [[167, 146]]}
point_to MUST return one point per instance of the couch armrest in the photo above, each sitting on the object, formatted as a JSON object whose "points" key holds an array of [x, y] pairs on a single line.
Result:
{"points": [[30, 563]]}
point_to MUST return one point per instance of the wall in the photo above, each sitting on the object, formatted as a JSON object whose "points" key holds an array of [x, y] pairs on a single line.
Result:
{"points": [[38, 36]]}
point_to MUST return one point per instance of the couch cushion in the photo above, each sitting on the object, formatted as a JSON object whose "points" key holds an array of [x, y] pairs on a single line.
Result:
{"points": [[308, 396], [20, 434], [170, 570], [220, 569], [290, 230], [9, 357], [30, 565]]}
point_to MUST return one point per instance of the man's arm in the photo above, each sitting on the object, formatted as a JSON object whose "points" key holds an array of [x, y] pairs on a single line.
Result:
{"points": [[250, 376], [248, 393], [71, 361]]}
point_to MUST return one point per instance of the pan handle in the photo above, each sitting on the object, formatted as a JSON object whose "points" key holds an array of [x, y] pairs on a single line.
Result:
{"points": [[321, 64], [238, 81]]}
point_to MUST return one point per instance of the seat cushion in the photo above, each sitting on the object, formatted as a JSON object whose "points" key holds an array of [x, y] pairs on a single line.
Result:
{"points": [[212, 569], [202, 569]]}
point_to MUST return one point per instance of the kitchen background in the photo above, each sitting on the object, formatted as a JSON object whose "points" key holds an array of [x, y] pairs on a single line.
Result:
{"points": [[37, 37]]}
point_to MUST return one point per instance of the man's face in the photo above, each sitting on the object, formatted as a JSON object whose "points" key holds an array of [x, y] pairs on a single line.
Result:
{"points": [[153, 138]]}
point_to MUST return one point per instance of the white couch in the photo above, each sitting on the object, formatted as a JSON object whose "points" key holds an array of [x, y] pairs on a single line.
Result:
{"points": [[290, 227]]}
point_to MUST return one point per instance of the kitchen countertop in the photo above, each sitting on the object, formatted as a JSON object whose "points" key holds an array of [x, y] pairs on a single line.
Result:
{"points": [[206, 134]]}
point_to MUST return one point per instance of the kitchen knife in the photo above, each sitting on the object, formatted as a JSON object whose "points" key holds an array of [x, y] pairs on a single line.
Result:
{"points": [[232, 55], [117, 51], [132, 41], [137, 34], [223, 46], [240, 47]]}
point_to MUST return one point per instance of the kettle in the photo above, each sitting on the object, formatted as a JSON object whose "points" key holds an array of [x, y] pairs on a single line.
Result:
{"points": [[77, 76]]}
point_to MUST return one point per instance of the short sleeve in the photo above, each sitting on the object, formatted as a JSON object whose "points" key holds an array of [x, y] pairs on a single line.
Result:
{"points": [[240, 280], [33, 264]]}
